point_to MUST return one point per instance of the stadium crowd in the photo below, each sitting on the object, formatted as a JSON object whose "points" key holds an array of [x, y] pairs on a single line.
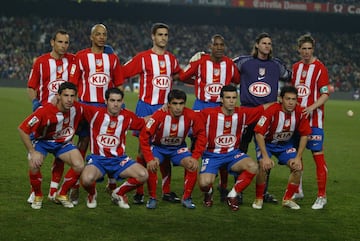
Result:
{"points": [[24, 38]]}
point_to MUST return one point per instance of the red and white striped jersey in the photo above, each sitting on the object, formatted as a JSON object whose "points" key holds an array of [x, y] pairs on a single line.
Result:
{"points": [[49, 123], [47, 74], [210, 76], [107, 132], [224, 131], [279, 127], [94, 73], [156, 75], [162, 129], [312, 81]]}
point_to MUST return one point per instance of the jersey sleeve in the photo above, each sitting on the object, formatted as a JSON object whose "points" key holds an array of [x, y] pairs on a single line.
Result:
{"points": [[131, 68], [34, 76], [253, 114], [118, 72], [200, 135], [145, 136], [33, 122], [189, 71]]}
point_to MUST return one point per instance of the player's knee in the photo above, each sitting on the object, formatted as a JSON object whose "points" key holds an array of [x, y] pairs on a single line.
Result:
{"points": [[143, 175], [252, 167]]}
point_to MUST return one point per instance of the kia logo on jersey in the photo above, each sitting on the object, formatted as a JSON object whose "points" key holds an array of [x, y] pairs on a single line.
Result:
{"points": [[171, 141], [99, 79], [161, 82], [53, 86], [303, 90], [283, 136], [107, 141], [65, 133], [213, 89], [260, 89], [225, 140]]}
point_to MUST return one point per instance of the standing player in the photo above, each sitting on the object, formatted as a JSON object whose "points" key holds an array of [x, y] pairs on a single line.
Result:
{"points": [[93, 73], [108, 127], [259, 84], [53, 128], [156, 68], [224, 126], [209, 74], [164, 138], [310, 77], [275, 135], [48, 72]]}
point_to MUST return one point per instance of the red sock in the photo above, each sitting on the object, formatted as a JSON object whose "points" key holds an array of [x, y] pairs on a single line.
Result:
{"points": [[140, 188], [57, 171], [321, 174], [165, 169], [206, 189], [128, 186], [243, 180], [70, 179], [260, 188], [152, 184], [35, 182], [223, 177], [90, 189], [189, 183], [291, 189]]}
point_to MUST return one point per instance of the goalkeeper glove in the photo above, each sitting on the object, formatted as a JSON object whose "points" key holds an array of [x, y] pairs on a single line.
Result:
{"points": [[35, 104], [196, 56], [108, 49]]}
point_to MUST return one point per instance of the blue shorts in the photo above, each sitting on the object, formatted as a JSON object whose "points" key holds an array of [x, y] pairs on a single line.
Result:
{"points": [[200, 105], [282, 152], [144, 109], [55, 148], [112, 166], [316, 139], [211, 162], [175, 154], [84, 127]]}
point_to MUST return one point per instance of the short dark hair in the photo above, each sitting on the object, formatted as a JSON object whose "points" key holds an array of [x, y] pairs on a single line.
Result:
{"points": [[59, 31], [113, 91], [156, 26], [66, 85], [215, 36], [176, 94], [288, 89], [227, 88]]}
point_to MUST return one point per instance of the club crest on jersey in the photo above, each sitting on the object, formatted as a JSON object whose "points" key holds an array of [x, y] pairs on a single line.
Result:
{"points": [[33, 121], [162, 82], [112, 124], [303, 90], [262, 71], [99, 79], [53, 86], [174, 127], [225, 140], [59, 69], [303, 73], [107, 141], [216, 72], [162, 64], [260, 89], [98, 62], [66, 133], [287, 123], [227, 124], [213, 89], [171, 141]]}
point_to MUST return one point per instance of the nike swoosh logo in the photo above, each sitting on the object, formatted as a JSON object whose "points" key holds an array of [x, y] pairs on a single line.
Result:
{"points": [[260, 78]]}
